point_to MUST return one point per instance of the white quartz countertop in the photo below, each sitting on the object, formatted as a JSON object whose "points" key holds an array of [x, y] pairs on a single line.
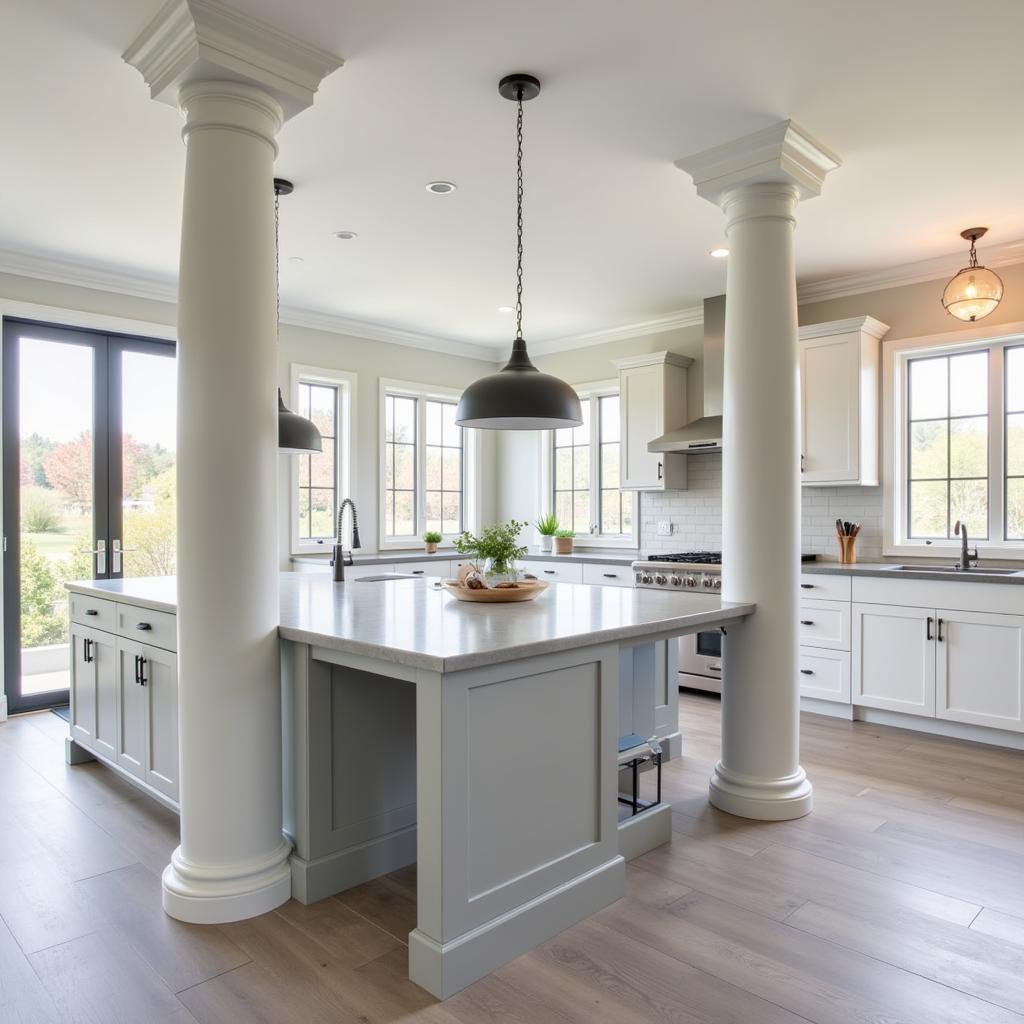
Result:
{"points": [[411, 622]]}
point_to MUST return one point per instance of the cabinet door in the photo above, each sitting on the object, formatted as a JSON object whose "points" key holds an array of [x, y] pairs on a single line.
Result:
{"points": [[554, 571], [980, 669], [428, 567], [825, 624], [608, 575], [641, 420], [894, 658], [824, 675], [830, 409], [104, 653], [160, 682], [131, 710], [83, 686]]}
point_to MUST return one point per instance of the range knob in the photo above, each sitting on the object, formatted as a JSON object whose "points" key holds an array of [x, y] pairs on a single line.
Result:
{"points": [[647, 579], [676, 581], [707, 582], [690, 581], [661, 579], [717, 583]]}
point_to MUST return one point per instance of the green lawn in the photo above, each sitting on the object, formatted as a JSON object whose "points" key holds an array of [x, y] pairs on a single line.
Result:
{"points": [[59, 543]]}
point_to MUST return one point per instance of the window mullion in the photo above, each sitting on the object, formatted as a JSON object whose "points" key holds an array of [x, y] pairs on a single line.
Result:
{"points": [[996, 445], [595, 466]]}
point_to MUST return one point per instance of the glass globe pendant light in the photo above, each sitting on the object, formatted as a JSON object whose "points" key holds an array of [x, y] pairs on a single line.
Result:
{"points": [[976, 290], [519, 396], [295, 434]]}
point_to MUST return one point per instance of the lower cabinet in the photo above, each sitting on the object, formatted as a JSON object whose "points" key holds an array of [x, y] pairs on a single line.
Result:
{"points": [[124, 705], [940, 663], [824, 674]]}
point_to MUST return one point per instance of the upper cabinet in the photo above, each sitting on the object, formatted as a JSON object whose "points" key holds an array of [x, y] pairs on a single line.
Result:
{"points": [[839, 395], [652, 401]]}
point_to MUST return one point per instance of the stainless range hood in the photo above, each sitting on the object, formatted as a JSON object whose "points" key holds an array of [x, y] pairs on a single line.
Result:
{"points": [[703, 434]]}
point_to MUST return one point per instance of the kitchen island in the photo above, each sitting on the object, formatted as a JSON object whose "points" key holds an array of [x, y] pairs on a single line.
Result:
{"points": [[478, 741]]}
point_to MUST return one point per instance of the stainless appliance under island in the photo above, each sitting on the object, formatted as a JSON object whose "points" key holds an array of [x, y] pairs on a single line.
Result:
{"points": [[478, 741]]}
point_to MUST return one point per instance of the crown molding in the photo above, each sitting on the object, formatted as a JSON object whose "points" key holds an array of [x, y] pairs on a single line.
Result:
{"points": [[866, 324], [908, 273], [691, 316], [189, 40]]}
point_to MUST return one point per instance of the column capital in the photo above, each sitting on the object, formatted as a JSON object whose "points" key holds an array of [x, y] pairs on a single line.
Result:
{"points": [[204, 40], [781, 154]]}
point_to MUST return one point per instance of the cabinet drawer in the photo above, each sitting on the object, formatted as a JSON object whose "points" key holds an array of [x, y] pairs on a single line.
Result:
{"points": [[92, 611], [819, 587], [824, 675], [608, 575], [428, 567], [825, 624], [145, 625], [555, 572]]}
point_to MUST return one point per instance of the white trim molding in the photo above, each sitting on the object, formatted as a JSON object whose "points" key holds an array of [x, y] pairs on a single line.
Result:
{"points": [[691, 316]]}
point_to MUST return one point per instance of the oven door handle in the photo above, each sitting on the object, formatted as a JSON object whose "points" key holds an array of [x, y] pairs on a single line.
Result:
{"points": [[714, 666]]}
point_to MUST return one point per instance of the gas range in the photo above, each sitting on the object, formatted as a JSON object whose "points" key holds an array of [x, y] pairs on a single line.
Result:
{"points": [[686, 572]]}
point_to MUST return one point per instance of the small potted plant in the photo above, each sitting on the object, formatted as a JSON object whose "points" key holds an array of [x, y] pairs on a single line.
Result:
{"points": [[563, 542], [547, 527], [496, 551], [430, 541]]}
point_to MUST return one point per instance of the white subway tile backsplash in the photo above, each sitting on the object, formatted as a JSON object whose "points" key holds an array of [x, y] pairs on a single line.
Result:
{"points": [[696, 514]]}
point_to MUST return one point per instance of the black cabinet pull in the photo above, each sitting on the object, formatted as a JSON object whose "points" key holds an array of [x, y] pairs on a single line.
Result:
{"points": [[940, 637], [91, 611], [610, 575], [807, 672], [807, 622], [806, 586], [143, 625], [87, 650], [659, 470], [418, 572], [142, 670], [551, 572], [928, 628]]}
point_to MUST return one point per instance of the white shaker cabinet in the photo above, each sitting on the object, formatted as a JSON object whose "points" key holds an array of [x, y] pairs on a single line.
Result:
{"points": [[839, 401], [652, 401], [93, 689], [980, 668], [894, 658]]}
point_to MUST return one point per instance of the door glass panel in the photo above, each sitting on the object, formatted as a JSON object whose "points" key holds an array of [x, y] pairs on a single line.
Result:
{"points": [[148, 445], [55, 449]]}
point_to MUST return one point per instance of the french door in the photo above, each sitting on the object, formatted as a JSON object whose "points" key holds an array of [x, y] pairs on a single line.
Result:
{"points": [[88, 484]]}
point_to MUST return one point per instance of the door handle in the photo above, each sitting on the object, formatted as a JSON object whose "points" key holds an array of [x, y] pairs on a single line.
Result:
{"points": [[116, 551], [806, 586], [87, 650], [714, 667], [659, 470], [807, 622], [610, 575], [91, 611], [143, 625], [136, 670], [142, 670], [939, 636], [100, 551], [551, 572], [928, 628], [807, 671], [418, 572]]}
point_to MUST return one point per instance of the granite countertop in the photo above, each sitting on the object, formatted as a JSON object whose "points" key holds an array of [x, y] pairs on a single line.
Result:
{"points": [[892, 570], [589, 556], [411, 622]]}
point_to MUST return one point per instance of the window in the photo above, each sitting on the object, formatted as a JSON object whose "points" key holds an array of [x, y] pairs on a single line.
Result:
{"points": [[584, 485], [427, 461], [321, 480], [958, 452]]}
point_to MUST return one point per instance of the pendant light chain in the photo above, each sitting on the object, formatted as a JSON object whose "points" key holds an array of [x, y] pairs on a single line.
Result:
{"points": [[974, 252], [277, 261], [519, 217]]}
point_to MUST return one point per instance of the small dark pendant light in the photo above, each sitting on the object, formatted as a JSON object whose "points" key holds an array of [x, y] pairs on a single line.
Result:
{"points": [[519, 396], [295, 434]]}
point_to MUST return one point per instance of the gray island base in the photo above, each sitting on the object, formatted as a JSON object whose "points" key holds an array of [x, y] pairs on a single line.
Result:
{"points": [[479, 742]]}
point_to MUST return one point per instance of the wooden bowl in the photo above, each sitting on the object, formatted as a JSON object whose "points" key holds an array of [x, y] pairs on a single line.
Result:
{"points": [[524, 590]]}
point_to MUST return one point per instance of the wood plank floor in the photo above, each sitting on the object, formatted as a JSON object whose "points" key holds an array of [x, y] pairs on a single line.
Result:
{"points": [[900, 899]]}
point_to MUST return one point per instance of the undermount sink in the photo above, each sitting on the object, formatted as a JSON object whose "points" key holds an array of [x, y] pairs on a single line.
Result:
{"points": [[385, 577], [952, 568]]}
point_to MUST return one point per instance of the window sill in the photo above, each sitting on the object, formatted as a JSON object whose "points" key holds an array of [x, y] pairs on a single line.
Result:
{"points": [[986, 551]]}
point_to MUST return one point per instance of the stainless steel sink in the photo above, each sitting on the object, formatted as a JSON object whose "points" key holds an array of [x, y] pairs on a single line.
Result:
{"points": [[385, 577], [954, 569]]}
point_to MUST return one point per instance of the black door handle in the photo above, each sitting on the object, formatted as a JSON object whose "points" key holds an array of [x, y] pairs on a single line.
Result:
{"points": [[610, 575], [136, 670], [418, 572], [142, 670], [806, 586], [87, 650], [91, 611], [143, 625], [806, 672], [659, 470], [807, 622], [940, 637], [928, 628], [551, 572]]}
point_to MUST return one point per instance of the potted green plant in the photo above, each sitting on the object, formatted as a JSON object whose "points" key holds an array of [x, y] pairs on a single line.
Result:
{"points": [[547, 527], [563, 542], [496, 551], [430, 541]]}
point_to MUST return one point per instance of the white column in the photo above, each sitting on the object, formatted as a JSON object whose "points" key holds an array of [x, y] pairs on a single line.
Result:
{"points": [[234, 79], [758, 182], [233, 860]]}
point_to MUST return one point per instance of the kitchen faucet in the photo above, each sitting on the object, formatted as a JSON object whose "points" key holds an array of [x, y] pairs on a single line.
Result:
{"points": [[338, 561], [966, 558]]}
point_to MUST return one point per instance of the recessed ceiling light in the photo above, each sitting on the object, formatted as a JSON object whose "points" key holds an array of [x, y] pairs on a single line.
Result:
{"points": [[720, 253], [440, 188], [506, 309], [296, 259], [345, 235]]}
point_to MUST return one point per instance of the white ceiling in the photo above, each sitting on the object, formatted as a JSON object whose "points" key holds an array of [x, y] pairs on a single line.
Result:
{"points": [[930, 141]]}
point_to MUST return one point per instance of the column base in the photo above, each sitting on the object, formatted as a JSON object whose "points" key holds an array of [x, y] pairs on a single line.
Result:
{"points": [[762, 799], [199, 895]]}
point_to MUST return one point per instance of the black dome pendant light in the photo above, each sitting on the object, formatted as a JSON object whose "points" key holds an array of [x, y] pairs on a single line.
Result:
{"points": [[295, 434], [519, 396]]}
